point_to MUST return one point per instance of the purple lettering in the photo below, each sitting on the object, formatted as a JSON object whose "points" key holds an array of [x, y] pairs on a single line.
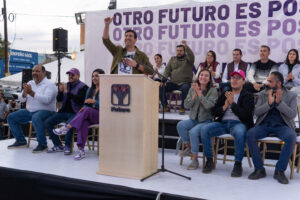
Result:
{"points": [[286, 8], [209, 30], [162, 47], [148, 17], [223, 12], [148, 33], [117, 19], [161, 15], [176, 32], [210, 12], [162, 31], [223, 30], [222, 47], [137, 17], [289, 23], [198, 17], [208, 45], [117, 34], [185, 13], [239, 29], [127, 15], [240, 10], [254, 28], [197, 33], [138, 31], [254, 7], [288, 44], [273, 43], [273, 7], [273, 25], [185, 28], [176, 17]]}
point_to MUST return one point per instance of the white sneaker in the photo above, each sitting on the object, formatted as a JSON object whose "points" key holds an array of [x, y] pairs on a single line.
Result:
{"points": [[61, 131], [80, 155]]}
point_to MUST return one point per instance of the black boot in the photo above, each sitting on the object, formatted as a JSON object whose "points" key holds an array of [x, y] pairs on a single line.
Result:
{"points": [[280, 177], [237, 169], [257, 174], [209, 166]]}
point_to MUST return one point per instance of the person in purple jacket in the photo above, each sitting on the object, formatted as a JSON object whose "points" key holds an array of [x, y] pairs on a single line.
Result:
{"points": [[88, 115], [71, 95]]}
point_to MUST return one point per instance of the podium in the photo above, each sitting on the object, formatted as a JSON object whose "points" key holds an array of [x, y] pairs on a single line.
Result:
{"points": [[128, 131]]}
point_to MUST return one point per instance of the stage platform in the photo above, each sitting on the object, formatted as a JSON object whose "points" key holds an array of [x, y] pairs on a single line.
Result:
{"points": [[217, 186]]}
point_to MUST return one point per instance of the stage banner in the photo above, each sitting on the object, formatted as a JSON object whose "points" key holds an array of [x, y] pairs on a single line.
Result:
{"points": [[220, 26]]}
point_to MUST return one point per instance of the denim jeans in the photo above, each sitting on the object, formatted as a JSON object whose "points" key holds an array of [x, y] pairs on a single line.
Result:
{"points": [[236, 128], [189, 130], [55, 119], [284, 133], [184, 88], [23, 116]]}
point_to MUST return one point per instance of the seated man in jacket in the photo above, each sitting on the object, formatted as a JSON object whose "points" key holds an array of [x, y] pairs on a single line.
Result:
{"points": [[72, 97], [234, 115], [276, 109]]}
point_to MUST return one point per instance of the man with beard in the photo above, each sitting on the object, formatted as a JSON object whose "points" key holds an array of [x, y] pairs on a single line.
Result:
{"points": [[181, 69], [260, 70], [124, 58], [39, 95], [71, 95]]}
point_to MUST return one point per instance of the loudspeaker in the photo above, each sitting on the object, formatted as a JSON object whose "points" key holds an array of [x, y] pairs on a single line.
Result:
{"points": [[27, 76], [60, 40]]}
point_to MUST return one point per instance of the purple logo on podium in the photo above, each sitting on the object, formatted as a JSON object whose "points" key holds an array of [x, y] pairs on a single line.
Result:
{"points": [[120, 96]]}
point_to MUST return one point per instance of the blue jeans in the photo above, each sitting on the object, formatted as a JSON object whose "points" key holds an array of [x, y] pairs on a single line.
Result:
{"points": [[23, 116], [233, 127], [284, 133], [184, 88], [189, 130], [55, 119]]}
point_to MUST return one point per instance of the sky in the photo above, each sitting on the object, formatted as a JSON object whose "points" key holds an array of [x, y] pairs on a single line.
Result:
{"points": [[31, 22]]}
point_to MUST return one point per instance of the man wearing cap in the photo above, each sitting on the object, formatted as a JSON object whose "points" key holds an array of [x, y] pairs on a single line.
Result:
{"points": [[39, 95], [276, 110], [234, 115], [71, 96]]}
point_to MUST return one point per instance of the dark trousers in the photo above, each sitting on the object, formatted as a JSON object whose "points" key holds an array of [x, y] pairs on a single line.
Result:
{"points": [[284, 133], [184, 88], [55, 119]]}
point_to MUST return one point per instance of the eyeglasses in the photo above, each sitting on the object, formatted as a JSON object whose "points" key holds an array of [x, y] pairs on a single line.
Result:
{"points": [[71, 74], [236, 77]]}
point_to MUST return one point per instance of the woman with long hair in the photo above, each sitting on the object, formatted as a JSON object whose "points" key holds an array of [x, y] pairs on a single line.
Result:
{"points": [[212, 65], [200, 99], [88, 115], [290, 70]]}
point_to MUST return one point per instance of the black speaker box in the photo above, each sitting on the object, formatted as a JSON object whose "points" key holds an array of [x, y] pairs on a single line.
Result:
{"points": [[60, 40]]}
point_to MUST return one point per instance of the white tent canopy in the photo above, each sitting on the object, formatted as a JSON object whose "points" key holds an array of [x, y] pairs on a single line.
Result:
{"points": [[66, 64]]}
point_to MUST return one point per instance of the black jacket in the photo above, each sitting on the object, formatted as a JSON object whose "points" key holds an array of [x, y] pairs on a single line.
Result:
{"points": [[244, 108]]}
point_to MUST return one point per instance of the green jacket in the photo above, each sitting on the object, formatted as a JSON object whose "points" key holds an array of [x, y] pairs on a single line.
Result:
{"points": [[118, 53], [181, 70], [201, 105]]}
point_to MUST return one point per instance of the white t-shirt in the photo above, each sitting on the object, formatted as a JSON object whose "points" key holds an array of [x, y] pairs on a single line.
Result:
{"points": [[122, 67], [160, 70]]}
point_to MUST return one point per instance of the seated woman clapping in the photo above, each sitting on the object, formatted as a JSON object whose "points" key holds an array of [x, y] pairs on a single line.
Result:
{"points": [[200, 99], [88, 115]]}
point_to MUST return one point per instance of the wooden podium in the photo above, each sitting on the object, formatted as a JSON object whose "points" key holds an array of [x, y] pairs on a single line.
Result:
{"points": [[128, 133]]}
